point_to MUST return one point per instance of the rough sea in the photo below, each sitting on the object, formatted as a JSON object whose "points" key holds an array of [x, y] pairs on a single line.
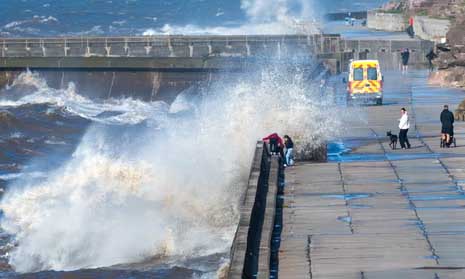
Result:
{"points": [[122, 188], [33, 18]]}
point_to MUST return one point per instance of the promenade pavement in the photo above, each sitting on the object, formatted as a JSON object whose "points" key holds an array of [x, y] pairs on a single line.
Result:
{"points": [[372, 212]]}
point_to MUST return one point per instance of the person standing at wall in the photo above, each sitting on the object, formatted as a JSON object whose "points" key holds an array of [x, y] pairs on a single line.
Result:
{"points": [[404, 125], [405, 57], [410, 30], [276, 144], [289, 157]]}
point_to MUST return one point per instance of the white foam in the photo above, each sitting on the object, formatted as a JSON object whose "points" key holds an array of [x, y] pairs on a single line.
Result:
{"points": [[272, 28], [10, 176], [16, 135], [174, 193], [28, 175], [130, 111], [276, 10], [119, 22], [13, 24], [95, 30], [265, 17], [48, 19], [34, 20], [53, 142]]}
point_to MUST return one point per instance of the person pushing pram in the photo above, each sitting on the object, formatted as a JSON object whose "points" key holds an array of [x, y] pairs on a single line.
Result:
{"points": [[447, 129]]}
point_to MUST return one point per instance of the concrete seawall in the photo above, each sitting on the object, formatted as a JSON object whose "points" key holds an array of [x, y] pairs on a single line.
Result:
{"points": [[97, 84], [386, 51], [151, 68], [393, 22], [251, 249], [426, 28], [155, 46], [431, 29], [184, 53], [159, 68]]}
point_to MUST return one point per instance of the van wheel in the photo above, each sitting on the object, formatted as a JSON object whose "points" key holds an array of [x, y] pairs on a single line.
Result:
{"points": [[379, 102]]}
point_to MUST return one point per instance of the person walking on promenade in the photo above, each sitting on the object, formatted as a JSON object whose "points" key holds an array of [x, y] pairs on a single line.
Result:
{"points": [[431, 56], [404, 125], [405, 55], [289, 144], [447, 121]]}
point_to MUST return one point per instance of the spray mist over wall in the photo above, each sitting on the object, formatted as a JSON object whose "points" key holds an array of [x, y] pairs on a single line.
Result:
{"points": [[272, 11], [263, 17], [168, 187]]}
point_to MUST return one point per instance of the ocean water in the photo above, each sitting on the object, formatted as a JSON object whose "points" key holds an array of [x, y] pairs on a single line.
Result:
{"points": [[31, 18], [132, 189], [122, 188]]}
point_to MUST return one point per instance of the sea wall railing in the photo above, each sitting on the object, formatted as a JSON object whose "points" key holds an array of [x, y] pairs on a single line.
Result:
{"points": [[168, 46], [251, 249]]}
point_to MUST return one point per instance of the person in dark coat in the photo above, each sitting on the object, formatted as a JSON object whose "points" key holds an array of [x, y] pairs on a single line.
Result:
{"points": [[447, 121], [405, 55], [431, 56], [289, 155]]}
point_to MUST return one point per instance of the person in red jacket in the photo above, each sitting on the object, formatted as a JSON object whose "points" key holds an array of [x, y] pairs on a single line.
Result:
{"points": [[410, 21], [276, 143], [410, 30]]}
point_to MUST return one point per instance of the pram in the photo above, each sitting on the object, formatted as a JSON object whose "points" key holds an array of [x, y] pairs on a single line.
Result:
{"points": [[452, 142]]}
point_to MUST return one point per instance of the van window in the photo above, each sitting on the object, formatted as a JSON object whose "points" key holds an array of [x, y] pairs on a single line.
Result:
{"points": [[372, 74], [358, 74]]}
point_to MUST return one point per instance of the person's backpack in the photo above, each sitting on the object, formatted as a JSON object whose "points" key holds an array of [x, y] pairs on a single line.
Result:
{"points": [[274, 146]]}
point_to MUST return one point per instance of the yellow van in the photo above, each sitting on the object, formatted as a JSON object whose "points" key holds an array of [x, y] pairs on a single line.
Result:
{"points": [[365, 81]]}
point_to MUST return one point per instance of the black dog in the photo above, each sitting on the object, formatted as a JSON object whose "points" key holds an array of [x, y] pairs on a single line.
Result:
{"points": [[393, 139]]}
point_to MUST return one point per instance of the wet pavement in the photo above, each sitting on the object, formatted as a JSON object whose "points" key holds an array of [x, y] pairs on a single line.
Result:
{"points": [[373, 212]]}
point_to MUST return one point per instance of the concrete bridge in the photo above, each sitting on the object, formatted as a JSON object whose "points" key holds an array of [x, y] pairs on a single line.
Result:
{"points": [[187, 52], [158, 67]]}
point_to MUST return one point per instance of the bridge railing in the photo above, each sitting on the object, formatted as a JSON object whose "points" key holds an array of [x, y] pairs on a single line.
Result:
{"points": [[169, 46], [200, 52]]}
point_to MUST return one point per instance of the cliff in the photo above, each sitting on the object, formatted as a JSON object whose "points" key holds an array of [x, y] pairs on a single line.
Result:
{"points": [[451, 58], [446, 9], [451, 62], [432, 18]]}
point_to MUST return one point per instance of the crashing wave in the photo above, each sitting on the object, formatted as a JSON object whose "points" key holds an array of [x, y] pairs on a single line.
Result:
{"points": [[33, 89], [264, 18], [127, 195], [274, 28], [36, 19]]}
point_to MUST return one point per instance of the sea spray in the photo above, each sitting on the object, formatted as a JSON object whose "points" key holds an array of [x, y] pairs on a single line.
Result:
{"points": [[167, 189], [264, 17], [277, 10]]}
